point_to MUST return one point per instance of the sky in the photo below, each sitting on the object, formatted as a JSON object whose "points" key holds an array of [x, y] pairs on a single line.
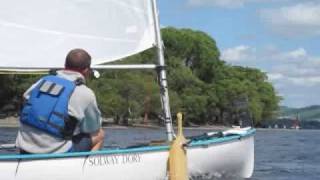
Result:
{"points": [[279, 37]]}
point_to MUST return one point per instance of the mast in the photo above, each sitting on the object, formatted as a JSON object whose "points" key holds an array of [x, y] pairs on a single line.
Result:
{"points": [[164, 95]]}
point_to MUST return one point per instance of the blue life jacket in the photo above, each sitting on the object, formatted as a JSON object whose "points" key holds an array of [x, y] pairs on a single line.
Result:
{"points": [[47, 107]]}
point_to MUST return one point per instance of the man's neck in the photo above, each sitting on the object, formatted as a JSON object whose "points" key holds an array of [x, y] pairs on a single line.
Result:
{"points": [[76, 70]]}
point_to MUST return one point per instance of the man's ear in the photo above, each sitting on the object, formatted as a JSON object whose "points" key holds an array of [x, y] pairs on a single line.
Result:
{"points": [[87, 72]]}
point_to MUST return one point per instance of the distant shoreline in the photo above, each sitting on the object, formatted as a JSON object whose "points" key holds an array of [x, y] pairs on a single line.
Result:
{"points": [[13, 122], [9, 122]]}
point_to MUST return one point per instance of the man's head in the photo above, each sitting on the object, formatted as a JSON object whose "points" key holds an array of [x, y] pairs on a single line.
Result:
{"points": [[78, 60]]}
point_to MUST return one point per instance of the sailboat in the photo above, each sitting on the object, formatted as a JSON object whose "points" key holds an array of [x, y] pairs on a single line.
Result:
{"points": [[37, 34]]}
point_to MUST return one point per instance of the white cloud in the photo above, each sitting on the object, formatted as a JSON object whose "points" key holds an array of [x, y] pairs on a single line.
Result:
{"points": [[287, 83], [296, 57], [275, 76], [305, 81], [238, 54], [228, 3], [291, 72], [219, 3], [296, 20], [296, 73], [296, 54], [296, 63]]}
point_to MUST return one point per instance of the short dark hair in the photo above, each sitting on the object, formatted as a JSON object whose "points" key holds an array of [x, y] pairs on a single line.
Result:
{"points": [[78, 59]]}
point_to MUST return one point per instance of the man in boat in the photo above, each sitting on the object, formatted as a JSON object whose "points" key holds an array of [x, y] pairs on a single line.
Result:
{"points": [[60, 113]]}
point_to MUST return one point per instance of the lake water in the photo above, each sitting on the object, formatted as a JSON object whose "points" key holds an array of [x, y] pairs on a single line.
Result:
{"points": [[279, 154]]}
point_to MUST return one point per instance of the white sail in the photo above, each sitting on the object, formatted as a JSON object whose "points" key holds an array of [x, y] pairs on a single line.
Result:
{"points": [[39, 33]]}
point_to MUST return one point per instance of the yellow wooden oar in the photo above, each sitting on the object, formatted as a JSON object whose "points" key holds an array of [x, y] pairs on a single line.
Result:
{"points": [[177, 166]]}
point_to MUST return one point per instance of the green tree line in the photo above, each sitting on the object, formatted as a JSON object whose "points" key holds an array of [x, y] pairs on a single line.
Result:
{"points": [[201, 85]]}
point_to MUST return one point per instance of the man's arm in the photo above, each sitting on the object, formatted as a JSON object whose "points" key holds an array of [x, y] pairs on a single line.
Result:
{"points": [[97, 139], [92, 125]]}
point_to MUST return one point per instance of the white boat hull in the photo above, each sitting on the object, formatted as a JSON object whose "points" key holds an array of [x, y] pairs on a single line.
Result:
{"points": [[231, 155]]}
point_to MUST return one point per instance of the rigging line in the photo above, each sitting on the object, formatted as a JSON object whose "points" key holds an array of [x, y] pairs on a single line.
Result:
{"points": [[60, 33]]}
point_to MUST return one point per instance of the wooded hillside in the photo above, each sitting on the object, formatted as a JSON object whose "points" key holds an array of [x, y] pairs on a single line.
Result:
{"points": [[203, 86]]}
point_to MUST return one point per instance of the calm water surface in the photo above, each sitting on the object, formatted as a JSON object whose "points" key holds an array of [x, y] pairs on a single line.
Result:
{"points": [[279, 154]]}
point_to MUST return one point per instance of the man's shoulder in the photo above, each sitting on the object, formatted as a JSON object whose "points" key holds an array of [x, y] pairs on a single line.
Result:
{"points": [[82, 97], [84, 91]]}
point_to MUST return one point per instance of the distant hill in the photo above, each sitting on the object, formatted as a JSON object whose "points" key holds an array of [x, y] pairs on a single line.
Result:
{"points": [[308, 113]]}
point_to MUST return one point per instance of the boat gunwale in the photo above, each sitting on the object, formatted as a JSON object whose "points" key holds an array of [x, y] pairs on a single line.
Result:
{"points": [[151, 148]]}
